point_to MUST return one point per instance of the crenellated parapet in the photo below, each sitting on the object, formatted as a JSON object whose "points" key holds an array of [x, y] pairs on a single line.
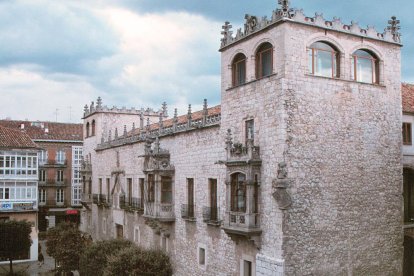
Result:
{"points": [[92, 109], [205, 118], [254, 24]]}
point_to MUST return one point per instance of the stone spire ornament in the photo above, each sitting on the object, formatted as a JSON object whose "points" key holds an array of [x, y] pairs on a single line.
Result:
{"points": [[164, 109], [99, 103], [394, 27], [284, 11], [227, 33]]}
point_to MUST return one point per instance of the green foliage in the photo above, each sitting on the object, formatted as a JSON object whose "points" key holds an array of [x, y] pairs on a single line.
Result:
{"points": [[138, 261], [95, 257], [65, 243], [14, 239]]}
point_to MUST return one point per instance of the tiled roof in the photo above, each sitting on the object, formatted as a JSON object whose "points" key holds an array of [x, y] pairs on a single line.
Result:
{"points": [[13, 138], [47, 130], [407, 91]]}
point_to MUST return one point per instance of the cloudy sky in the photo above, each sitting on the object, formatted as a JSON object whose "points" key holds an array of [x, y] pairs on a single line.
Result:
{"points": [[56, 56]]}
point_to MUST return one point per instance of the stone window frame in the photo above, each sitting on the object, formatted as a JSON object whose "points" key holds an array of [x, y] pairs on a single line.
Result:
{"points": [[375, 66], [258, 53], [377, 53], [202, 246], [335, 58], [250, 259], [238, 60], [407, 133]]}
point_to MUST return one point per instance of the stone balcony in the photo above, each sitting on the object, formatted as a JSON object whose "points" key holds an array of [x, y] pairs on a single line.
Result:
{"points": [[163, 212]]}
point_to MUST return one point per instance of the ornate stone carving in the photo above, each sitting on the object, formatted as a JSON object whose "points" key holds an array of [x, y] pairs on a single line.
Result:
{"points": [[226, 33], [250, 25], [394, 27], [280, 185]]}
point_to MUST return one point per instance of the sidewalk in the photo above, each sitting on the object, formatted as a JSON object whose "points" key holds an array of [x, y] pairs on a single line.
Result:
{"points": [[32, 268]]}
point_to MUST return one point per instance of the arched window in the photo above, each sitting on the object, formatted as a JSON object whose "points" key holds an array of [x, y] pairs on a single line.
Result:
{"points": [[264, 60], [323, 60], [238, 192], [238, 68], [87, 129], [93, 127], [365, 66]]}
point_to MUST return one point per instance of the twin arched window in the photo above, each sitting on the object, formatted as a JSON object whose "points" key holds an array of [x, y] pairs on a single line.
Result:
{"points": [[324, 61], [264, 64]]}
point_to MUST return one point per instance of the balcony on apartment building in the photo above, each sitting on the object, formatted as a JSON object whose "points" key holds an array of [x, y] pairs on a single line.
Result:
{"points": [[211, 215], [159, 211], [102, 200], [54, 203], [53, 183], [52, 163], [131, 204], [188, 212]]}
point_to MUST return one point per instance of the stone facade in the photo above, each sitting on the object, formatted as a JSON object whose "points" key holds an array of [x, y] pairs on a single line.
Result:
{"points": [[318, 161]]}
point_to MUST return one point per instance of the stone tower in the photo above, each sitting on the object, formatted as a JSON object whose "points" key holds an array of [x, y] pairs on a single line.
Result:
{"points": [[321, 100]]}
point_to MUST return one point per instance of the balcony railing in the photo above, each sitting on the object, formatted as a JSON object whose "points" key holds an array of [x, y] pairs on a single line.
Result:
{"points": [[188, 212], [211, 215], [53, 162], [160, 211], [102, 200], [53, 203], [131, 204], [53, 182], [242, 221]]}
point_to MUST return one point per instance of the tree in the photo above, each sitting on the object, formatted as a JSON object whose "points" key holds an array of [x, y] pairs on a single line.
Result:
{"points": [[65, 243], [137, 261], [15, 240], [94, 258]]}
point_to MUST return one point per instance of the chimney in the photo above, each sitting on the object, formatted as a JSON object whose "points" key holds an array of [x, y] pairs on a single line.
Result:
{"points": [[22, 126], [46, 130]]}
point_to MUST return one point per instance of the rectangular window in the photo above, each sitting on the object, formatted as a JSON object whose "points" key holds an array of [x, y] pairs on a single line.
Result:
{"points": [[151, 188], [190, 197], [406, 133], [108, 187], [60, 194], [213, 199], [60, 157], [249, 130], [42, 157], [141, 187], [201, 256], [247, 268], [129, 184], [166, 189], [42, 175], [42, 195], [60, 176], [100, 185], [6, 193]]}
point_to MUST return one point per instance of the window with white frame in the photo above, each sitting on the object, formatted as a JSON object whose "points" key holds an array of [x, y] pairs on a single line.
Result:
{"points": [[42, 156], [42, 195], [42, 175], [60, 157], [77, 156], [59, 176], [18, 165], [76, 195], [18, 190], [60, 195]]}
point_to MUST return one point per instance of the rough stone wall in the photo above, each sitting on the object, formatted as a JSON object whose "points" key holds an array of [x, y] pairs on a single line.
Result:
{"points": [[345, 157]]}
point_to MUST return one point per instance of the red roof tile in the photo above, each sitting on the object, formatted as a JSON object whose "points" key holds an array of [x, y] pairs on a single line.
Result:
{"points": [[407, 92], [47, 130], [13, 139]]}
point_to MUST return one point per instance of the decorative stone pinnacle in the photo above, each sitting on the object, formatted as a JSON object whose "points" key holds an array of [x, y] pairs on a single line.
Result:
{"points": [[99, 102], [125, 130], [116, 133], [229, 138], [110, 136], [85, 108], [92, 106], [284, 5], [394, 27], [175, 113], [148, 124], [226, 33], [133, 126], [164, 109], [189, 110]]}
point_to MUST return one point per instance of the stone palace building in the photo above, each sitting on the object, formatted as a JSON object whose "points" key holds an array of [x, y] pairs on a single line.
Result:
{"points": [[297, 172]]}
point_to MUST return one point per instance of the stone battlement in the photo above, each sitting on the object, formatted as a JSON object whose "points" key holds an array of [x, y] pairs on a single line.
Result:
{"points": [[92, 109], [255, 24]]}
